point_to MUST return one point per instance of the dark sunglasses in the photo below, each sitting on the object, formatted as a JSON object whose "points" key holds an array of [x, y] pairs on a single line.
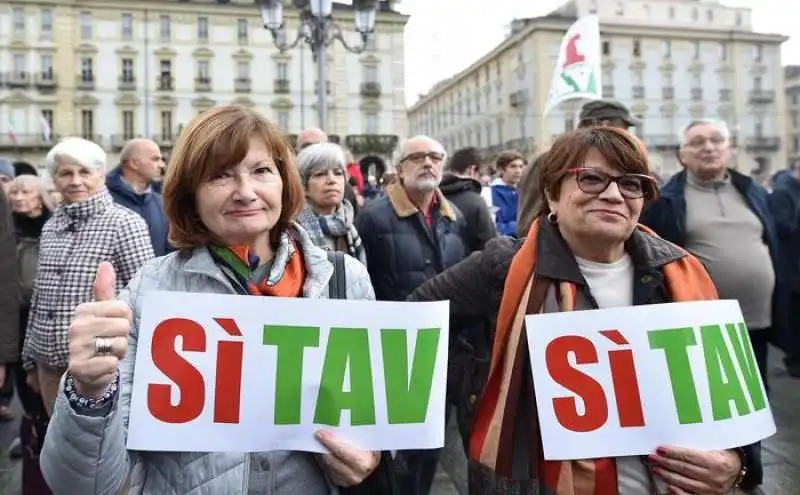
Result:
{"points": [[631, 186], [420, 156]]}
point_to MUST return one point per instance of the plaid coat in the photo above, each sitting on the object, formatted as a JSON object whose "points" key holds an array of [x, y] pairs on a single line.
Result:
{"points": [[74, 242]]}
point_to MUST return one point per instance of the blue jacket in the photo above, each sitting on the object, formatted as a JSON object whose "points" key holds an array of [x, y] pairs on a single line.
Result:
{"points": [[785, 205], [506, 200], [148, 205], [667, 216]]}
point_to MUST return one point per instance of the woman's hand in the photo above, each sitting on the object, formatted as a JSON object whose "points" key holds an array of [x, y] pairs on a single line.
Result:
{"points": [[104, 318], [346, 465], [690, 471]]}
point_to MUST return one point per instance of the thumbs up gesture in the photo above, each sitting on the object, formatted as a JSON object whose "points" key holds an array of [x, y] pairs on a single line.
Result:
{"points": [[98, 336]]}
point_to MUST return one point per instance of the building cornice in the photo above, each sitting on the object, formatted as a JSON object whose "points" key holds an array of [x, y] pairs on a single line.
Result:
{"points": [[560, 26]]}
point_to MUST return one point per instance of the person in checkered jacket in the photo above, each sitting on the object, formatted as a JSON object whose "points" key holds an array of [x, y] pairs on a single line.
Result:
{"points": [[87, 229]]}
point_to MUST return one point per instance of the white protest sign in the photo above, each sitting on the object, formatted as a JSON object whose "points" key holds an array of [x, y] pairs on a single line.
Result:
{"points": [[221, 373], [624, 381]]}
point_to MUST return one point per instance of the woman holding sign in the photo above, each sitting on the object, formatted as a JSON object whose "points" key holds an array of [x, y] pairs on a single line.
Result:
{"points": [[584, 251], [231, 194]]}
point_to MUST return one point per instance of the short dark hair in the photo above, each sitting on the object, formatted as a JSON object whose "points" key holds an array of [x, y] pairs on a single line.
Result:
{"points": [[463, 159], [506, 158], [620, 148]]}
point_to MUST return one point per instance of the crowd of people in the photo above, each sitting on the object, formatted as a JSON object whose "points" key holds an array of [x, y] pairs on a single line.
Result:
{"points": [[237, 211]]}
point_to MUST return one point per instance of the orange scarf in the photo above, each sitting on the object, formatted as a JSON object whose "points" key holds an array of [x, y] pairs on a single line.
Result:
{"points": [[510, 388], [240, 262]]}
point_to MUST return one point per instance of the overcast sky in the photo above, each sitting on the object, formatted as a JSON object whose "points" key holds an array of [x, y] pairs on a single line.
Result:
{"points": [[446, 36]]}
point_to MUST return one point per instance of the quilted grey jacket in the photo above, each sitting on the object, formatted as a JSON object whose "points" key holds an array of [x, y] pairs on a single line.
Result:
{"points": [[86, 455]]}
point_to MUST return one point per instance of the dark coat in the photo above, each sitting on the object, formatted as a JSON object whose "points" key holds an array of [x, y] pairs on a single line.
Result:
{"points": [[465, 193], [9, 286], [402, 251], [148, 205]]}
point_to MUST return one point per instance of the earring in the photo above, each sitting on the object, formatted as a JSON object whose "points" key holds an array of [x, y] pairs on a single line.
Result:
{"points": [[552, 218]]}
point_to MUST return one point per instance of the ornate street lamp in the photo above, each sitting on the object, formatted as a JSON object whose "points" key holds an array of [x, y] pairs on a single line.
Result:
{"points": [[319, 31]]}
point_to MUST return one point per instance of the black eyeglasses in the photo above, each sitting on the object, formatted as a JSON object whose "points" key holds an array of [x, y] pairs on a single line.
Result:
{"points": [[420, 156], [631, 186]]}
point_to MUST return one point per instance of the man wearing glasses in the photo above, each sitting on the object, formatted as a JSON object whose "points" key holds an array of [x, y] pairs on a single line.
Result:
{"points": [[722, 217], [410, 235]]}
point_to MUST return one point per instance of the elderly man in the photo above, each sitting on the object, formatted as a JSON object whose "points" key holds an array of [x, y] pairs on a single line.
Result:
{"points": [[410, 235], [130, 184], [722, 217]]}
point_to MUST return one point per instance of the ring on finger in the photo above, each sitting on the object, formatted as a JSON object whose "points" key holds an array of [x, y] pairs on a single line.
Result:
{"points": [[103, 346]]}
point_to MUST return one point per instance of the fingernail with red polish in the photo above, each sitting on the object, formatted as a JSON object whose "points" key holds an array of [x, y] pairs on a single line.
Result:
{"points": [[653, 459], [661, 451]]}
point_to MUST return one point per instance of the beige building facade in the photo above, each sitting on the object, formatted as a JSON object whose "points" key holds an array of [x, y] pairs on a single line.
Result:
{"points": [[792, 81], [112, 70], [670, 61]]}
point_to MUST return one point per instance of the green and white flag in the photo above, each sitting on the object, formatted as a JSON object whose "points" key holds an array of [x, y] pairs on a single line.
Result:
{"points": [[577, 74]]}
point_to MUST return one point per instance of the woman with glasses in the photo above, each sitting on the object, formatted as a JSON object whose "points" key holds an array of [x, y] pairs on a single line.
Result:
{"points": [[584, 251]]}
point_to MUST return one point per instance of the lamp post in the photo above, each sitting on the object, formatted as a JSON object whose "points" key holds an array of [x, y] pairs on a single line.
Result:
{"points": [[319, 31]]}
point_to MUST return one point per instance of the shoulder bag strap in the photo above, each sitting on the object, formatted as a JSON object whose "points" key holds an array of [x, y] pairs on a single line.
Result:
{"points": [[337, 286]]}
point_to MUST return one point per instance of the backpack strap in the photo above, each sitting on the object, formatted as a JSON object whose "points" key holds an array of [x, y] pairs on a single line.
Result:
{"points": [[337, 286]]}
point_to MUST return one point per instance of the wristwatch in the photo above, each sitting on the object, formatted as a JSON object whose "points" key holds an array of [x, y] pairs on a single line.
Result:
{"points": [[743, 472]]}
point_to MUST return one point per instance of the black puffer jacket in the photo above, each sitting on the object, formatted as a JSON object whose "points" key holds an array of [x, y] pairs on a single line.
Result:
{"points": [[465, 193], [402, 251]]}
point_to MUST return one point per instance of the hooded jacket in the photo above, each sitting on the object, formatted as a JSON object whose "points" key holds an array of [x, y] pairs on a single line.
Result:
{"points": [[465, 193]]}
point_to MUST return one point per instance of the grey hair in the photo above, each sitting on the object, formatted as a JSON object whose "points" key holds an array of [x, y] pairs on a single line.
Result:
{"points": [[37, 183], [720, 125], [400, 150], [81, 151], [320, 156]]}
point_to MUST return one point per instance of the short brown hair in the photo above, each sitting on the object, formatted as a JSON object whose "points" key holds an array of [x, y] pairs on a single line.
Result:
{"points": [[215, 141], [620, 148], [507, 157]]}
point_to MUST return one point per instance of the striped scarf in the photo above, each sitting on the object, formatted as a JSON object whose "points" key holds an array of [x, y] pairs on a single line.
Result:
{"points": [[336, 226], [509, 389], [283, 277]]}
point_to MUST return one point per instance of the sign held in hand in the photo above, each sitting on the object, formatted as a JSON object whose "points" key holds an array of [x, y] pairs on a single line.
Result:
{"points": [[624, 381], [239, 373]]}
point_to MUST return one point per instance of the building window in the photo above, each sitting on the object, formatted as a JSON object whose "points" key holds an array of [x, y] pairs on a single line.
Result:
{"points": [[723, 51], [166, 125], [18, 16], [127, 27], [569, 124], [738, 18], [283, 70], [759, 127], [20, 66], [127, 70], [87, 124], [203, 71], [647, 9], [796, 144], [620, 8], [666, 49], [283, 120], [202, 28], [696, 50], [710, 15], [371, 123], [241, 30], [46, 64], [695, 15], [671, 12], [87, 69], [758, 52], [86, 25], [757, 83], [47, 117], [637, 48], [607, 48], [128, 131], [243, 70], [165, 28], [47, 23], [370, 74], [165, 77]]}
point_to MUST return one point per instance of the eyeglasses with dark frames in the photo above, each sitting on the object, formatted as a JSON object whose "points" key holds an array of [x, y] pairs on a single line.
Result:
{"points": [[631, 186], [420, 156]]}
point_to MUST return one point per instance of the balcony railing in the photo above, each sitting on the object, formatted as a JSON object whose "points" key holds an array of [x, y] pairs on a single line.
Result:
{"points": [[371, 143], [327, 87], [638, 92], [165, 82], [518, 98], [25, 141], [85, 82], [370, 89], [282, 86], [46, 81], [202, 84], [763, 143], [761, 96], [241, 85], [126, 83], [18, 79]]}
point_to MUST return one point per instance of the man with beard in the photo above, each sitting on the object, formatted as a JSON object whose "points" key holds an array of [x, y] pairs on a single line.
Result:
{"points": [[410, 235]]}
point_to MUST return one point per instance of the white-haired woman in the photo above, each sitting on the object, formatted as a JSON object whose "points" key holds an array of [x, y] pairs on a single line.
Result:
{"points": [[87, 229], [328, 217]]}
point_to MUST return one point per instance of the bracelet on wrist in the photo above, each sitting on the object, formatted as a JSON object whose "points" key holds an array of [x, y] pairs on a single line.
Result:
{"points": [[77, 400], [742, 472]]}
